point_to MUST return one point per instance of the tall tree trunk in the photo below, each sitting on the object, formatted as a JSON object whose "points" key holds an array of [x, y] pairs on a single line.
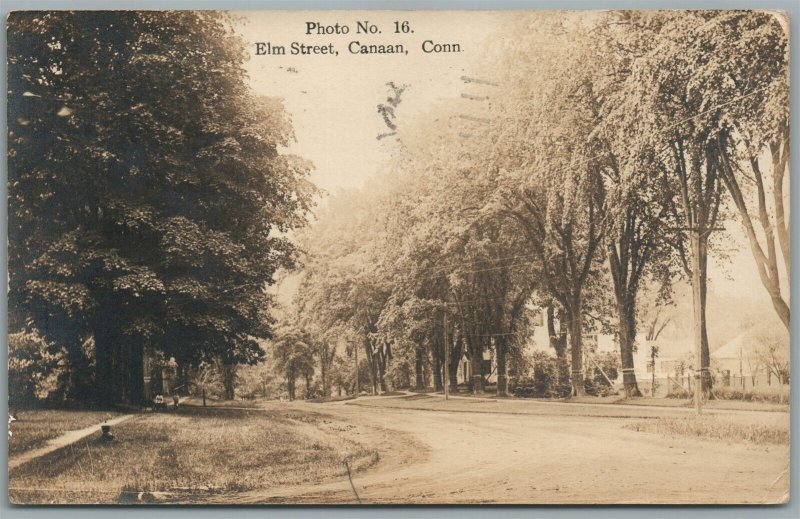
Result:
{"points": [[502, 371], [438, 384], [779, 149], [476, 362], [627, 340], [80, 374], [763, 249], [356, 384], [704, 350], [557, 336], [419, 377], [229, 380], [426, 371], [576, 346], [290, 380], [453, 376], [456, 352], [373, 368], [137, 373], [323, 365], [382, 374], [122, 374], [699, 291], [104, 363]]}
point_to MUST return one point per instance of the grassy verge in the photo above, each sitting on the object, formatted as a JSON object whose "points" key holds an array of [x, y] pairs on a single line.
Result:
{"points": [[771, 432], [198, 402], [531, 406], [34, 428], [326, 399], [196, 451], [718, 403], [776, 394]]}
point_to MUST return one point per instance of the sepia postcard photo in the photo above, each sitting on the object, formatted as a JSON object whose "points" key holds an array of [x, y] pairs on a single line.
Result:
{"points": [[398, 257]]}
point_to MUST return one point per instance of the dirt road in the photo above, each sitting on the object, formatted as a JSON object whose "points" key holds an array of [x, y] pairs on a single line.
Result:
{"points": [[461, 457]]}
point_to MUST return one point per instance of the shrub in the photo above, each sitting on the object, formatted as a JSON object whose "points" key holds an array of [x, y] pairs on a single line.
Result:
{"points": [[549, 378], [678, 393], [37, 370], [595, 383], [205, 380]]}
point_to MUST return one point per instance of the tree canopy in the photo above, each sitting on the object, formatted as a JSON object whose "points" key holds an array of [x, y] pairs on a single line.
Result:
{"points": [[149, 202]]}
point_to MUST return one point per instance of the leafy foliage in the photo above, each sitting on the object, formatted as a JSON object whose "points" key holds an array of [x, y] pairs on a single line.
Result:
{"points": [[36, 370], [549, 378], [149, 203], [604, 152]]}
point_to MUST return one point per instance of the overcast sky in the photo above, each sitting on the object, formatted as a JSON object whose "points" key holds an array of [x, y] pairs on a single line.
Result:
{"points": [[333, 99]]}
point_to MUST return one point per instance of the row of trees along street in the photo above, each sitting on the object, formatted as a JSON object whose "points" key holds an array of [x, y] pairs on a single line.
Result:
{"points": [[600, 154], [597, 155]]}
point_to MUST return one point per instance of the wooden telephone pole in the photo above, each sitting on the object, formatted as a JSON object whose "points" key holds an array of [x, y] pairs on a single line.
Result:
{"points": [[698, 317], [695, 245]]}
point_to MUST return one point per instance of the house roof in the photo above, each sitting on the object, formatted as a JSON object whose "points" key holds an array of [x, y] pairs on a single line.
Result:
{"points": [[744, 344]]}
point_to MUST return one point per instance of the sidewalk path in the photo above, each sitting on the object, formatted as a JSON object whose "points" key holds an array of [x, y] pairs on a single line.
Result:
{"points": [[65, 439]]}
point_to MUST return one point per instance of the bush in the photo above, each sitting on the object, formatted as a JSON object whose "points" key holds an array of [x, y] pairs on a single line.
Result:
{"points": [[678, 393], [37, 370], [549, 378], [595, 384]]}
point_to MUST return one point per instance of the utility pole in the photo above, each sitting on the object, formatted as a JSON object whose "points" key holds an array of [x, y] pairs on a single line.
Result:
{"points": [[695, 233], [694, 237], [446, 358]]}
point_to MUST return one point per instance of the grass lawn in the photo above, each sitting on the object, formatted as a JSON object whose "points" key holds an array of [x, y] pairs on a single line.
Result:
{"points": [[326, 399], [719, 403], [760, 431], [33, 428], [210, 402], [195, 451]]}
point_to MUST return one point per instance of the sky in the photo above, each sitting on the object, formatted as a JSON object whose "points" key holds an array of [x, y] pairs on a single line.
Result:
{"points": [[332, 100]]}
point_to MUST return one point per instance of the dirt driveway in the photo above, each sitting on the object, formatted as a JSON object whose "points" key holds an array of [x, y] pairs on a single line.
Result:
{"points": [[462, 457]]}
